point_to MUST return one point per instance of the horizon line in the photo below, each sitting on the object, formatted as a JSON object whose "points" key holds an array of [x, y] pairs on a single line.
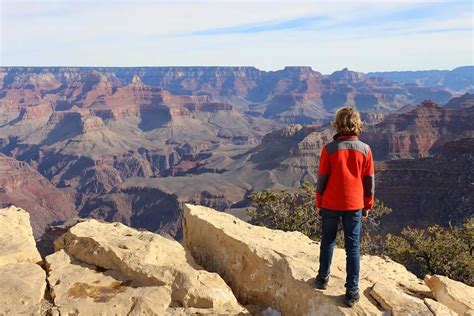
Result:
{"points": [[229, 66]]}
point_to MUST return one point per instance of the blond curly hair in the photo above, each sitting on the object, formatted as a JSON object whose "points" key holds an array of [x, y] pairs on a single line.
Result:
{"points": [[348, 121]]}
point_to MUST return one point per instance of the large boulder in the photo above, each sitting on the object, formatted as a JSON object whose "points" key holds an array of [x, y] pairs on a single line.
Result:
{"points": [[398, 302], [17, 243], [22, 281], [81, 289], [277, 269], [22, 288], [146, 260], [456, 295]]}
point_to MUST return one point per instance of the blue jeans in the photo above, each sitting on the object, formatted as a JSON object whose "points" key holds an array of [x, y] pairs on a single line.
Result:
{"points": [[351, 221]]}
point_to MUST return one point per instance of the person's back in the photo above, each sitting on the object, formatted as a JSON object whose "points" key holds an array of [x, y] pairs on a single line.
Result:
{"points": [[345, 190]]}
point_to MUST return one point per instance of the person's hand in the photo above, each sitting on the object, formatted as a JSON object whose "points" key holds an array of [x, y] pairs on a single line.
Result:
{"points": [[365, 213]]}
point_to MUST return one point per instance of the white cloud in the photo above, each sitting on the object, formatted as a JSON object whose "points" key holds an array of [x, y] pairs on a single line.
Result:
{"points": [[146, 33]]}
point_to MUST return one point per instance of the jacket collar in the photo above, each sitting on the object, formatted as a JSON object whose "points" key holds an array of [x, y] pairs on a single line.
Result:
{"points": [[345, 136]]}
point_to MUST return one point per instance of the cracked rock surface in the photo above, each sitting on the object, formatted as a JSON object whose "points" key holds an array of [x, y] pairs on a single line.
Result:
{"points": [[147, 260], [226, 267]]}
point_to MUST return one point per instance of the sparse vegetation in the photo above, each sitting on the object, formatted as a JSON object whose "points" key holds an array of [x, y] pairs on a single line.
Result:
{"points": [[436, 250], [287, 211], [295, 210], [431, 250]]}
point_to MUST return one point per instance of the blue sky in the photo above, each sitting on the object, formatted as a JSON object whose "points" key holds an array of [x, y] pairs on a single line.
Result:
{"points": [[326, 35]]}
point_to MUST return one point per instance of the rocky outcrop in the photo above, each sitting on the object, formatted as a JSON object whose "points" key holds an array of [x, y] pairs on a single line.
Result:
{"points": [[397, 301], [23, 283], [456, 295], [108, 268], [22, 289], [145, 260], [215, 106], [348, 76], [277, 269], [92, 124], [16, 239]]}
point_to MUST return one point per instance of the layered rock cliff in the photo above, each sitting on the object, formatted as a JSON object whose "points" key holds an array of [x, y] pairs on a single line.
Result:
{"points": [[224, 266], [420, 132], [428, 191], [21, 184], [293, 94]]}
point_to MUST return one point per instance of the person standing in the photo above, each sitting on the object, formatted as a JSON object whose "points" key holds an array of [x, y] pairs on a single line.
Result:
{"points": [[344, 191]]}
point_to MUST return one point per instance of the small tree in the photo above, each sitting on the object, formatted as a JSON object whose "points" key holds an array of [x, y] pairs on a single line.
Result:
{"points": [[287, 211], [435, 250]]}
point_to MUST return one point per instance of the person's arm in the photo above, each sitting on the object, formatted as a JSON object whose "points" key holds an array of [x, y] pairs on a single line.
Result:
{"points": [[369, 182], [323, 176]]}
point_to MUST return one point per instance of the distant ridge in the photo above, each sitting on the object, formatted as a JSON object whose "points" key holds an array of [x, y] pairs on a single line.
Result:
{"points": [[460, 78]]}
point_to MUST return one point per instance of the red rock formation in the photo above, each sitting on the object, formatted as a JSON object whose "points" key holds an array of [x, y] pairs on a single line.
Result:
{"points": [[14, 99], [420, 132], [36, 111], [35, 81], [22, 185], [347, 76], [92, 124], [120, 92]]}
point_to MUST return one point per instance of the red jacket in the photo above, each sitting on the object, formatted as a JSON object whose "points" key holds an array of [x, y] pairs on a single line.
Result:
{"points": [[346, 175]]}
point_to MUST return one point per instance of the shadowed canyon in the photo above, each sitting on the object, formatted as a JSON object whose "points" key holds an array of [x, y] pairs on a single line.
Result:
{"points": [[132, 144]]}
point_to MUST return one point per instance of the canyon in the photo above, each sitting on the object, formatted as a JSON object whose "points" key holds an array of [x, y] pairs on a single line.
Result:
{"points": [[131, 145]]}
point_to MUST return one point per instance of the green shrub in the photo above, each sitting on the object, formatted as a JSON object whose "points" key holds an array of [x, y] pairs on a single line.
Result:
{"points": [[435, 250], [287, 211]]}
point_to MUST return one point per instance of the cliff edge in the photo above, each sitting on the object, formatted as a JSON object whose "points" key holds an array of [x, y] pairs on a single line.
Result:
{"points": [[224, 266]]}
